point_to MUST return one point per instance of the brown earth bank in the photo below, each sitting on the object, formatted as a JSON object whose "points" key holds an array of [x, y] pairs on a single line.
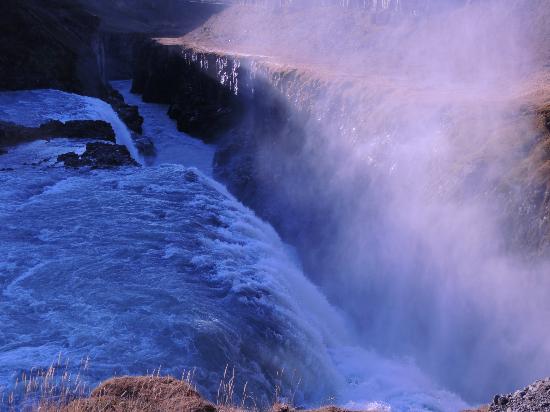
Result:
{"points": [[157, 394]]}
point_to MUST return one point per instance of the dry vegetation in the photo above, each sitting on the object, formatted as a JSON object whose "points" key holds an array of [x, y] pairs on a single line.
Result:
{"points": [[55, 391]]}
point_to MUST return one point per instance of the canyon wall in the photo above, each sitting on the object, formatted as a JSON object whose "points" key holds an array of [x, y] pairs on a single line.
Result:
{"points": [[53, 44]]}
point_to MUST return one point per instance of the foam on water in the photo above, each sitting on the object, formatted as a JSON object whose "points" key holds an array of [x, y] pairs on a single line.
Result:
{"points": [[138, 274], [141, 268]]}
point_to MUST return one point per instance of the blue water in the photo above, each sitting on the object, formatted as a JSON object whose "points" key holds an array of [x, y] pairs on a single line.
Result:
{"points": [[159, 267]]}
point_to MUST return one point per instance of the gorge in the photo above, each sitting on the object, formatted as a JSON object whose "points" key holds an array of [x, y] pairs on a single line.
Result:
{"points": [[400, 152]]}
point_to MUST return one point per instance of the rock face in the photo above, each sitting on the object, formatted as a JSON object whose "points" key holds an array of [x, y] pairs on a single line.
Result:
{"points": [[99, 156], [50, 44], [12, 134], [199, 105], [128, 114]]}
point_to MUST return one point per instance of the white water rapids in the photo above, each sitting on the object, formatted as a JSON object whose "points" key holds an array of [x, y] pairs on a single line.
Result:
{"points": [[158, 266]]}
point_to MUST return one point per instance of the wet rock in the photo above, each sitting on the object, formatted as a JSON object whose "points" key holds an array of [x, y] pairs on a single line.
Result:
{"points": [[199, 119], [99, 156], [200, 105], [128, 114], [86, 129], [144, 145], [70, 159], [12, 134]]}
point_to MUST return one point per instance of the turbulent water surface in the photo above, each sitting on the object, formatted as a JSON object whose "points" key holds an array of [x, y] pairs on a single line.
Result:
{"points": [[159, 267]]}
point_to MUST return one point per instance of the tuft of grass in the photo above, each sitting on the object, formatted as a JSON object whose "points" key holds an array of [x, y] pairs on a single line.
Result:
{"points": [[46, 389]]}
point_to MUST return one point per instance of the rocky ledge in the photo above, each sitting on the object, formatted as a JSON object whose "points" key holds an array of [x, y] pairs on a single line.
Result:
{"points": [[12, 134], [534, 398], [99, 156]]}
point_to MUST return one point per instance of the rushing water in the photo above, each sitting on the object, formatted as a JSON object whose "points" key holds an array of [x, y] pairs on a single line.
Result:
{"points": [[159, 267]]}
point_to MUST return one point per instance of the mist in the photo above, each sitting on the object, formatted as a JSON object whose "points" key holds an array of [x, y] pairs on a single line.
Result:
{"points": [[417, 213]]}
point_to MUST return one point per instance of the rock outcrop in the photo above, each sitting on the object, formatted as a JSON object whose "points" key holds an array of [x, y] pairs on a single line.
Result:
{"points": [[13, 134], [534, 398], [128, 114], [199, 105], [99, 156]]}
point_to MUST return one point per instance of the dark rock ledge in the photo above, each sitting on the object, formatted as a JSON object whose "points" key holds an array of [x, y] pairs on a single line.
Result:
{"points": [[99, 156], [128, 114], [12, 134]]}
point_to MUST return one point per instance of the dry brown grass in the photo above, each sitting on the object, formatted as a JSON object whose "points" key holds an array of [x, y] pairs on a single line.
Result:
{"points": [[159, 394], [57, 389]]}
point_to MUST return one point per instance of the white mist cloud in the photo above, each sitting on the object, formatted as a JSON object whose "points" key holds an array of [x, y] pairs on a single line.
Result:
{"points": [[413, 156]]}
